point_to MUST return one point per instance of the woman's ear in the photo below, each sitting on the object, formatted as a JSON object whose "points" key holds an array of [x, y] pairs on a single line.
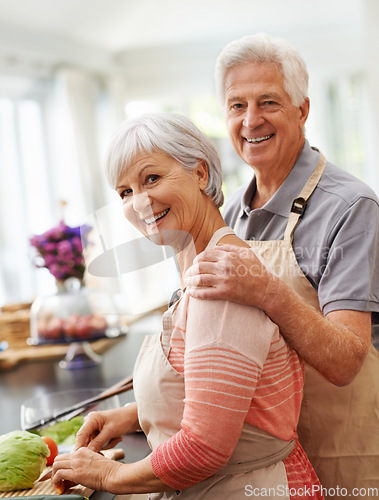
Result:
{"points": [[201, 172]]}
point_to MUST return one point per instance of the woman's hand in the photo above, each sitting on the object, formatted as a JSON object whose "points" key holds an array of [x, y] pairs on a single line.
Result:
{"points": [[104, 429], [87, 468], [99, 473]]}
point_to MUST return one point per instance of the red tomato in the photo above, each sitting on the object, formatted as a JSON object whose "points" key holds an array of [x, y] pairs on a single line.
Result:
{"points": [[69, 325], [53, 328], [98, 323], [53, 449], [83, 327]]}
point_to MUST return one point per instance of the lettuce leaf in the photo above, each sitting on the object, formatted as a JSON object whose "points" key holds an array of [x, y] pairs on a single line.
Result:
{"points": [[63, 432]]}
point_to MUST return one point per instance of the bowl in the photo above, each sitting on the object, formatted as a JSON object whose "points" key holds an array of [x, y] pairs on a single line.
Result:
{"points": [[50, 404]]}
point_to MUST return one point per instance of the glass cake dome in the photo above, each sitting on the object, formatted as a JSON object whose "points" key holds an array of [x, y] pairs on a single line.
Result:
{"points": [[74, 314]]}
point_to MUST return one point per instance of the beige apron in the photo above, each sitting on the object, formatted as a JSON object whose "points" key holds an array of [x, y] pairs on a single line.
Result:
{"points": [[339, 426], [159, 390]]}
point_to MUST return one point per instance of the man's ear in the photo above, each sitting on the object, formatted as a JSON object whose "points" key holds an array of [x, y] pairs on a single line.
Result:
{"points": [[304, 111], [201, 172]]}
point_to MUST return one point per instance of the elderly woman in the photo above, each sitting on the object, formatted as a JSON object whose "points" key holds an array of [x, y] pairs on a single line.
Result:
{"points": [[218, 392]]}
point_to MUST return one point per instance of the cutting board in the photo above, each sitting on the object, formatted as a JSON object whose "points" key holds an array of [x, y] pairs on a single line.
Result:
{"points": [[11, 357], [46, 487]]}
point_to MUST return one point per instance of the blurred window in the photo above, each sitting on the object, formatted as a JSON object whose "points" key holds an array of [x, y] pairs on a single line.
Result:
{"points": [[346, 124], [51, 133]]}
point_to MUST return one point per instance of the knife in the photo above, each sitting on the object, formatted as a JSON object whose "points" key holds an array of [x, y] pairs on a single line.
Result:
{"points": [[124, 385]]}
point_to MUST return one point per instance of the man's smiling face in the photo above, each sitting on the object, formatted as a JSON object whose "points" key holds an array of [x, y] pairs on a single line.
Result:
{"points": [[265, 128]]}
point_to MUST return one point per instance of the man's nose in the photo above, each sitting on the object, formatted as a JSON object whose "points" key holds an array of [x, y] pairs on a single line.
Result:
{"points": [[253, 117]]}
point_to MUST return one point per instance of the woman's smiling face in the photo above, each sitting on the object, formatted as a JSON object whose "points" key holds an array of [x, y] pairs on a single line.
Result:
{"points": [[159, 195]]}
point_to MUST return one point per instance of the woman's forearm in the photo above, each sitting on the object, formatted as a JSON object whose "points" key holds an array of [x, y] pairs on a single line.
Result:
{"points": [[137, 477]]}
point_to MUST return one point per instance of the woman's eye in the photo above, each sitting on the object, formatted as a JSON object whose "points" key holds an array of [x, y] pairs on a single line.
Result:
{"points": [[150, 179], [124, 194]]}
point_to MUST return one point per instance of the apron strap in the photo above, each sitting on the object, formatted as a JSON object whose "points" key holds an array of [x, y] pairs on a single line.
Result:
{"points": [[276, 451], [220, 233], [299, 204], [167, 321]]}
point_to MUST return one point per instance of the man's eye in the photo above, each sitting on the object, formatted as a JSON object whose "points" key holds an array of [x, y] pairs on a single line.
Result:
{"points": [[269, 103], [237, 106]]}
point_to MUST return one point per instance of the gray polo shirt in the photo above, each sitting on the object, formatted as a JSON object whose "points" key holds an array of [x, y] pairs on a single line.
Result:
{"points": [[337, 240]]}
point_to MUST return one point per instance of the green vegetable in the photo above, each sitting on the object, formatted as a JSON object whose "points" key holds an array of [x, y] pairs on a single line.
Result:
{"points": [[22, 459], [63, 432]]}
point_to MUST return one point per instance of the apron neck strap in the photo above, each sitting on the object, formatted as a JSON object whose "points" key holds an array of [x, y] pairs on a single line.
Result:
{"points": [[299, 204]]}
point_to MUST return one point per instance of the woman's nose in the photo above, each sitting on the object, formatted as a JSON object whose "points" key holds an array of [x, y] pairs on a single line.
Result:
{"points": [[142, 204]]}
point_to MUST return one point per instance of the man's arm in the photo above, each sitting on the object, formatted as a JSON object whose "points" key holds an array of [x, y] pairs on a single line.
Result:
{"points": [[336, 345]]}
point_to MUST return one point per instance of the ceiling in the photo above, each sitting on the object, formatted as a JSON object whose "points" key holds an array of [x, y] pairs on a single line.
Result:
{"points": [[114, 26]]}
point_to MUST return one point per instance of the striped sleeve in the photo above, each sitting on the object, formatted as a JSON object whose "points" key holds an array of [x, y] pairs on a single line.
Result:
{"points": [[219, 384], [223, 360]]}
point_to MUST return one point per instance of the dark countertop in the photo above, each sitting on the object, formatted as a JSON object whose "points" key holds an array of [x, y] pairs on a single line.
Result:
{"points": [[32, 379]]}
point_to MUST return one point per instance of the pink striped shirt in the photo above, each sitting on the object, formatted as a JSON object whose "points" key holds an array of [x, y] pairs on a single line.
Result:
{"points": [[237, 368]]}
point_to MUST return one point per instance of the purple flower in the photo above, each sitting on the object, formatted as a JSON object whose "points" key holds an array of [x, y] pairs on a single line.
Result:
{"points": [[60, 250], [77, 242], [64, 246], [49, 246]]}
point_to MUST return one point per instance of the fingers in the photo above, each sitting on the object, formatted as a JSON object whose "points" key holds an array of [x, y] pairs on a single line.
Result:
{"points": [[216, 253], [62, 472], [62, 486], [228, 272], [201, 274], [81, 467], [210, 268], [98, 442], [66, 465], [87, 432], [101, 430], [112, 443]]}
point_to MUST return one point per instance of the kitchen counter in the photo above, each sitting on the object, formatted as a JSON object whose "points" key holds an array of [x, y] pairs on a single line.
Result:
{"points": [[32, 379]]}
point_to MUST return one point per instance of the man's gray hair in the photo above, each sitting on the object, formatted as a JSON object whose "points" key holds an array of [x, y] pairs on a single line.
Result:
{"points": [[262, 48], [167, 133]]}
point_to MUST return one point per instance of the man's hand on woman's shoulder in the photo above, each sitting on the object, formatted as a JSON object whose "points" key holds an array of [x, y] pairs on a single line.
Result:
{"points": [[233, 273]]}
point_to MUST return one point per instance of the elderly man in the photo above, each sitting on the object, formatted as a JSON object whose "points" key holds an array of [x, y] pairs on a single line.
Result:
{"points": [[315, 266]]}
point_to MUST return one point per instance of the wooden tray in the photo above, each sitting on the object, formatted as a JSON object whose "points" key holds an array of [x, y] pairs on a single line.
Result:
{"points": [[22, 352], [11, 357], [46, 487]]}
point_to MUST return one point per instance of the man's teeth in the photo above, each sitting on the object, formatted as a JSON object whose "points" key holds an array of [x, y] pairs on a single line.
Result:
{"points": [[151, 220], [258, 139]]}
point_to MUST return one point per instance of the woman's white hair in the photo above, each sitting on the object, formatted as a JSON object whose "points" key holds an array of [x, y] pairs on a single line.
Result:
{"points": [[170, 134], [262, 48]]}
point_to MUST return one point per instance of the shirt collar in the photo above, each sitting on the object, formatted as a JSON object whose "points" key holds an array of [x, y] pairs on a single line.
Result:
{"points": [[290, 188]]}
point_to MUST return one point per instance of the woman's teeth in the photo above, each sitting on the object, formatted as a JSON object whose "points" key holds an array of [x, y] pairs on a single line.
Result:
{"points": [[259, 139], [151, 220]]}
